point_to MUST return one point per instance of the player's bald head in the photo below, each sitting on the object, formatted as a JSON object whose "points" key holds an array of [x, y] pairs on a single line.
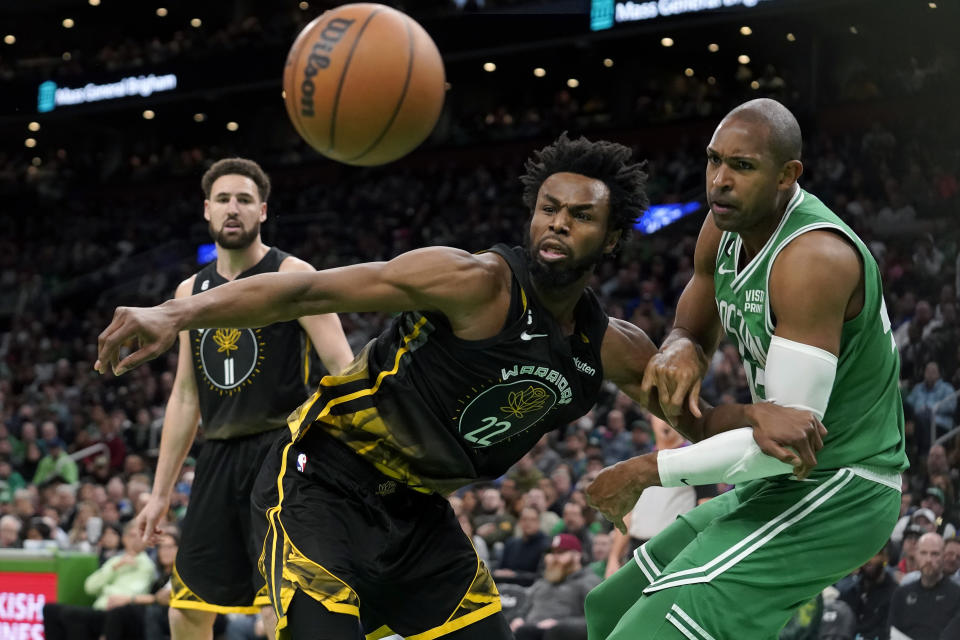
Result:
{"points": [[782, 129]]}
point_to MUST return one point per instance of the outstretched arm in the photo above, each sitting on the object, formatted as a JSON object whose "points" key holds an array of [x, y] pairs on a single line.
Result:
{"points": [[453, 282], [325, 331]]}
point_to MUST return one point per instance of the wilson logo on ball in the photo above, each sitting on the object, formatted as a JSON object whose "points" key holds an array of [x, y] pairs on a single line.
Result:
{"points": [[318, 59], [363, 84]]}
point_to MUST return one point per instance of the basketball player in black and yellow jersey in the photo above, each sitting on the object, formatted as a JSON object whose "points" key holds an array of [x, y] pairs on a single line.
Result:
{"points": [[243, 383], [489, 352]]}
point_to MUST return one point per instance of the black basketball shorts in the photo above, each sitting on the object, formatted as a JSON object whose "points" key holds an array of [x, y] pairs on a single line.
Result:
{"points": [[216, 567], [365, 545]]}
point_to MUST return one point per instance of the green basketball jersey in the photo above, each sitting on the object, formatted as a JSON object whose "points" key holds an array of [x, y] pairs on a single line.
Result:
{"points": [[864, 417]]}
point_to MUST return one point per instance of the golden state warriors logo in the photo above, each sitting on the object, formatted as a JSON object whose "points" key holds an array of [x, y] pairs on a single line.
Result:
{"points": [[228, 358], [505, 410]]}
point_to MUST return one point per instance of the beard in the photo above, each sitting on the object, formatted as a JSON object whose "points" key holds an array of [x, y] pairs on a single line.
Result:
{"points": [[554, 276], [556, 573], [241, 241], [872, 571]]}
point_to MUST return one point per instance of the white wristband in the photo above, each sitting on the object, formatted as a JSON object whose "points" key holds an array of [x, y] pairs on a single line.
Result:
{"points": [[730, 457]]}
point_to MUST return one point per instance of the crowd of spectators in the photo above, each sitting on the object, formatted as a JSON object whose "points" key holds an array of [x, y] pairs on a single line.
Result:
{"points": [[77, 449]]}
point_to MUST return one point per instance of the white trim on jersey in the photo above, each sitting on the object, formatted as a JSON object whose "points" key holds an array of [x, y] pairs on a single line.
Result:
{"points": [[740, 278], [802, 230], [758, 538]]}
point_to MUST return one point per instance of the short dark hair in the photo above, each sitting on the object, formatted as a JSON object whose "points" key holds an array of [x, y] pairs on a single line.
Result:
{"points": [[783, 132], [602, 160], [236, 166]]}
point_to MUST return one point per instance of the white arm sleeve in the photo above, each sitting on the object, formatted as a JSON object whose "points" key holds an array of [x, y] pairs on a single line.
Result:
{"points": [[797, 376], [731, 457]]}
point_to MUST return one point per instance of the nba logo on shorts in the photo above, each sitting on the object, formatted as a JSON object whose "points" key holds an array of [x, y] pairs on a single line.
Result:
{"points": [[301, 462]]}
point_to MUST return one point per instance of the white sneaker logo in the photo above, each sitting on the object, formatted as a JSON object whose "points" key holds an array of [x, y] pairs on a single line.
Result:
{"points": [[723, 271], [531, 336]]}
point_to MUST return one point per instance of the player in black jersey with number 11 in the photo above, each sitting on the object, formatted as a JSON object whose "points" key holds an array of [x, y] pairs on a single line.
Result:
{"points": [[242, 383], [490, 351]]}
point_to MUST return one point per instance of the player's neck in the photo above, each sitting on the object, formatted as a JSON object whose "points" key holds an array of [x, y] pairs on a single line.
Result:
{"points": [[755, 238], [232, 262], [562, 302]]}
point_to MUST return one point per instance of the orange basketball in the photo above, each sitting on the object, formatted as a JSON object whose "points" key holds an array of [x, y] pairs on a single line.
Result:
{"points": [[364, 84]]}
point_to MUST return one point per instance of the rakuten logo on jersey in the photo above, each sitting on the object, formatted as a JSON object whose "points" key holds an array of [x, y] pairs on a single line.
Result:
{"points": [[583, 367]]}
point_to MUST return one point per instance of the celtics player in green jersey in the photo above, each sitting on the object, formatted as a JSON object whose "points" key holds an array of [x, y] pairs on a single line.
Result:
{"points": [[800, 296]]}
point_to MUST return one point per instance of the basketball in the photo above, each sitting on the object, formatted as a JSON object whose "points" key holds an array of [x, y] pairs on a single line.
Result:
{"points": [[364, 84]]}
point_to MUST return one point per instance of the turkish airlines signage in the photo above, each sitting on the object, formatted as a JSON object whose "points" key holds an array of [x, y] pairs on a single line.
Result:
{"points": [[22, 597]]}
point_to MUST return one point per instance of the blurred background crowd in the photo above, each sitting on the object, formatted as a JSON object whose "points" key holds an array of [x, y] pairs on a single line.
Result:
{"points": [[104, 208]]}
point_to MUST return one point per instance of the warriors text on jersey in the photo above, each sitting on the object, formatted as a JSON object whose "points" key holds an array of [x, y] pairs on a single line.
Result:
{"points": [[438, 412], [267, 364], [864, 418]]}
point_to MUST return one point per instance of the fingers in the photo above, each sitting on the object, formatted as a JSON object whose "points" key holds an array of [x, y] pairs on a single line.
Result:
{"points": [[821, 432], [152, 532], [801, 465], [815, 438], [782, 454], [675, 385], [680, 389], [694, 399], [802, 471], [646, 386], [157, 533], [617, 520], [143, 529], [805, 451], [134, 360], [110, 340]]}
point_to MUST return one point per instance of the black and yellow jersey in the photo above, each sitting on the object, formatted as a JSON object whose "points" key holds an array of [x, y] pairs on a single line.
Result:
{"points": [[437, 412], [248, 380]]}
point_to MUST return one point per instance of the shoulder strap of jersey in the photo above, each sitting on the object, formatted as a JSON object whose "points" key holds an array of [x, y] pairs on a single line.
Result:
{"points": [[514, 258], [280, 255], [269, 263], [594, 318], [207, 272], [519, 300]]}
